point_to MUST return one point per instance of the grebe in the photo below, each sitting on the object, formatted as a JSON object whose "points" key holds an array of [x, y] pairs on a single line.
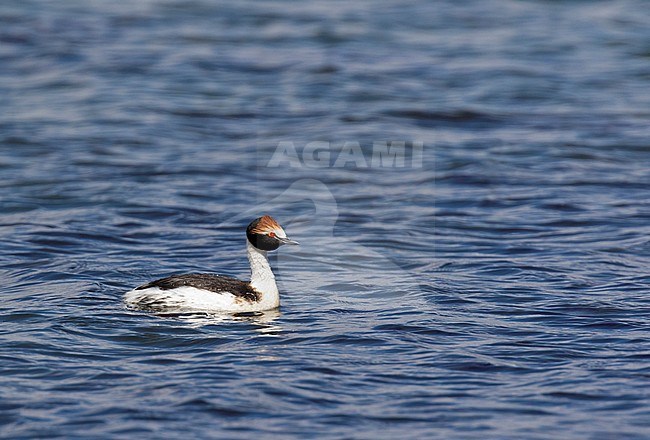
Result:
{"points": [[218, 293]]}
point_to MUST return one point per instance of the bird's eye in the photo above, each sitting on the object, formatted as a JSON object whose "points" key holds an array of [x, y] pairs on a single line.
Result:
{"points": [[272, 234]]}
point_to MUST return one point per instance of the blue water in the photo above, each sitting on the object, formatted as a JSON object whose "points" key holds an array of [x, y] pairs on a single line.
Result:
{"points": [[497, 287]]}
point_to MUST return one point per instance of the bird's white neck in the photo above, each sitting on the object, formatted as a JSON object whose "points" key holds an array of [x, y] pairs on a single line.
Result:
{"points": [[262, 278]]}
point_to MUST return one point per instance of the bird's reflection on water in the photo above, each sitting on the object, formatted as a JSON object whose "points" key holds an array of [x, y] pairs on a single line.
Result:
{"points": [[262, 322]]}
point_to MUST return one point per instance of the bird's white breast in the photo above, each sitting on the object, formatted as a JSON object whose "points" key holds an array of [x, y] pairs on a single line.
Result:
{"points": [[191, 299]]}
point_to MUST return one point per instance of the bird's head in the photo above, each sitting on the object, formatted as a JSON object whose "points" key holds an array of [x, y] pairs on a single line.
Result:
{"points": [[266, 234]]}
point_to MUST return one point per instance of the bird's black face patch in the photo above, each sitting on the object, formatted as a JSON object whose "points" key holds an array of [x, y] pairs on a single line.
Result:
{"points": [[261, 241]]}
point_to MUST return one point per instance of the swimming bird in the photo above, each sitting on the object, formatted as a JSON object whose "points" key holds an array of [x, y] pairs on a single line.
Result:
{"points": [[218, 293]]}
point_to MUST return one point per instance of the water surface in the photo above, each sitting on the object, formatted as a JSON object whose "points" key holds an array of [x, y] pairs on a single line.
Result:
{"points": [[496, 289]]}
